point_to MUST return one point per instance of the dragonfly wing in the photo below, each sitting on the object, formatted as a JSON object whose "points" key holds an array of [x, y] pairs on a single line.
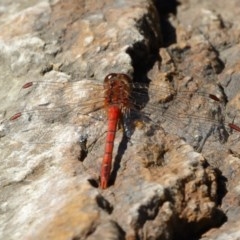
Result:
{"points": [[192, 117], [45, 125], [51, 105]]}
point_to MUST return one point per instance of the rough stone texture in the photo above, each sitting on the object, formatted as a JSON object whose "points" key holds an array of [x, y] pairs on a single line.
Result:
{"points": [[176, 178]]}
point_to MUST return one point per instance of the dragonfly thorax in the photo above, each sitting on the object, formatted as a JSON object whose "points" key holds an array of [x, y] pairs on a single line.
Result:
{"points": [[117, 88]]}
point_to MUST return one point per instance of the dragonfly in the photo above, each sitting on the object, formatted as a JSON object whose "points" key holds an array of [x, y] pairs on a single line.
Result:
{"points": [[122, 101]]}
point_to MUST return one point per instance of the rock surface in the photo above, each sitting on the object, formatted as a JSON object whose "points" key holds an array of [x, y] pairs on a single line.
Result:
{"points": [[177, 177]]}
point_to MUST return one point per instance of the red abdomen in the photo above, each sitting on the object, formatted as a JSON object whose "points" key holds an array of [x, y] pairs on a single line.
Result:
{"points": [[114, 113]]}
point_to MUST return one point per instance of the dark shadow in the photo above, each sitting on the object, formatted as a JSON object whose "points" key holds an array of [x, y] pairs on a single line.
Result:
{"points": [[93, 182], [165, 8], [104, 204], [169, 33], [121, 150], [222, 186], [83, 148], [143, 59]]}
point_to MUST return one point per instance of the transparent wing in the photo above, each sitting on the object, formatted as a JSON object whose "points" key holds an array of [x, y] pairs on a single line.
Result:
{"points": [[191, 115], [61, 105], [49, 125]]}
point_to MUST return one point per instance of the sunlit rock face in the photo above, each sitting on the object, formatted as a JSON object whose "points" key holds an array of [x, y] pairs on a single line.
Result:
{"points": [[177, 177]]}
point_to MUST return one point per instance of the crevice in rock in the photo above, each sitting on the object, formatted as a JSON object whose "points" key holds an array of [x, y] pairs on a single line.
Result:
{"points": [[165, 8], [152, 26], [222, 189], [145, 53]]}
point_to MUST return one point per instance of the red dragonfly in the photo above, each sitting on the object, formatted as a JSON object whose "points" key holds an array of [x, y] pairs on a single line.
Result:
{"points": [[118, 95]]}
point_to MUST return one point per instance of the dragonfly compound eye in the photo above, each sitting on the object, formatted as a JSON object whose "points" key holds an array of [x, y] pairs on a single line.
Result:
{"points": [[110, 75]]}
